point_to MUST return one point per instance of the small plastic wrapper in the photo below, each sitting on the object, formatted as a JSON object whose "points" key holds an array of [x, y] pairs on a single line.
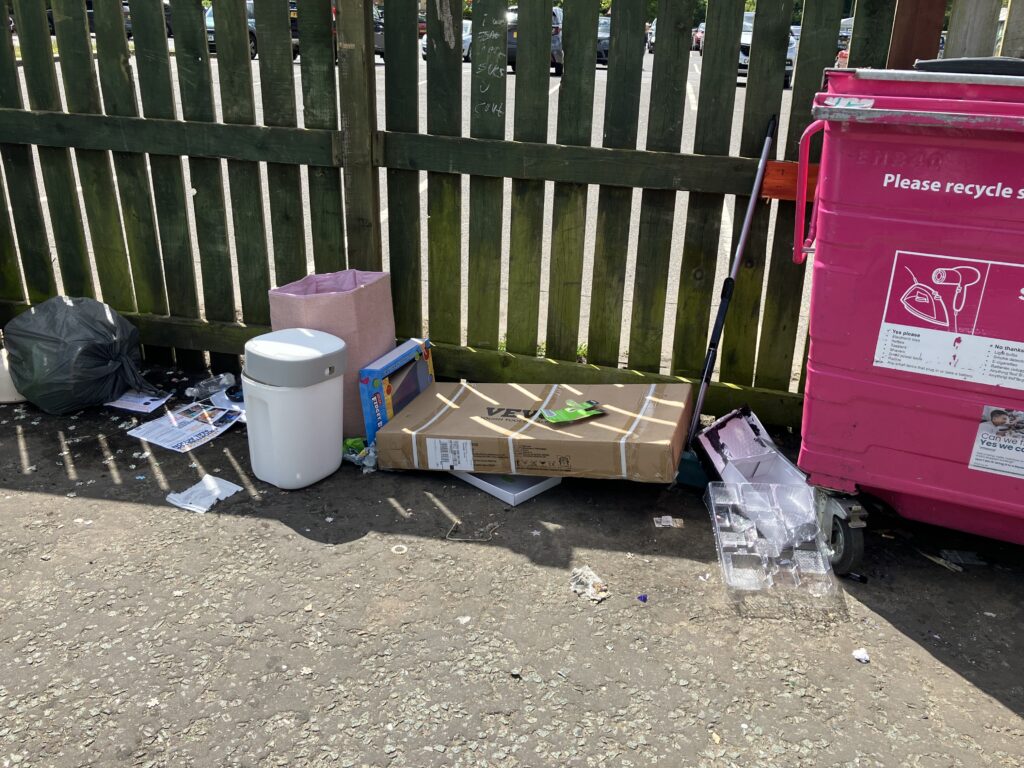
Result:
{"points": [[768, 538]]}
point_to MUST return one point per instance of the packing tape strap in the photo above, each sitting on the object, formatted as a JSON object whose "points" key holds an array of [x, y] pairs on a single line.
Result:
{"points": [[438, 415], [532, 419], [636, 423]]}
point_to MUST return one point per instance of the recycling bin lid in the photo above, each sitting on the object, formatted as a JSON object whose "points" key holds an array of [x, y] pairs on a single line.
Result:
{"points": [[294, 357]]}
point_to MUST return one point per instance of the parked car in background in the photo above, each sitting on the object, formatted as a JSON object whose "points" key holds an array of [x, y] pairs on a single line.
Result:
{"points": [[378, 27], [698, 38], [745, 39], [167, 19], [88, 17], [604, 31], [422, 24], [557, 58], [211, 33], [650, 37], [795, 29], [10, 24], [467, 41]]}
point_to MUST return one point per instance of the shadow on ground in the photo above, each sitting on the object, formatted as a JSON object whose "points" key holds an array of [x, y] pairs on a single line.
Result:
{"points": [[970, 620]]}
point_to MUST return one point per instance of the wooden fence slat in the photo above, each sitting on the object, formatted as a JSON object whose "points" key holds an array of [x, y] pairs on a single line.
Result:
{"points": [[320, 110], [781, 320], [20, 173], [118, 89], [196, 88], [149, 33], [234, 69], [58, 176], [10, 275], [277, 87], [715, 106], [444, 191], [1012, 43], [401, 94], [614, 207], [357, 83], [486, 195], [763, 100], [569, 213], [872, 31], [526, 241], [82, 93], [658, 207], [916, 32], [972, 28]]}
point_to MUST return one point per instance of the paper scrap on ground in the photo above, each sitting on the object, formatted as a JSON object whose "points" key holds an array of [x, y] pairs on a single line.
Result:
{"points": [[204, 494], [188, 427], [138, 402], [588, 584], [861, 655], [667, 521], [221, 400]]}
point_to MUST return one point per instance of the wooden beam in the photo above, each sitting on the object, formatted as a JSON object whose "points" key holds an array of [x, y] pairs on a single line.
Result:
{"points": [[972, 28], [1013, 34], [915, 32]]}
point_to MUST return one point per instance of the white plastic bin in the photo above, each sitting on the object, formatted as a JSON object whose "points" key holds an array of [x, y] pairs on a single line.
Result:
{"points": [[293, 383]]}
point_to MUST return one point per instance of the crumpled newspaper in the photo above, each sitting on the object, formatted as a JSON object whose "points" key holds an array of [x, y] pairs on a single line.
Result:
{"points": [[586, 583], [204, 494]]}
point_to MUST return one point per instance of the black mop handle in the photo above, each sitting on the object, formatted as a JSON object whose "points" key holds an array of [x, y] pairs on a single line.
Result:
{"points": [[729, 285]]}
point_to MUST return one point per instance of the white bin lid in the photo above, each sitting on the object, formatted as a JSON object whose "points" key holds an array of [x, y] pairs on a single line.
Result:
{"points": [[294, 357]]}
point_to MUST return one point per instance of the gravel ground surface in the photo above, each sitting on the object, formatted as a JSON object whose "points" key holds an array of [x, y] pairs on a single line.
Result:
{"points": [[337, 626]]}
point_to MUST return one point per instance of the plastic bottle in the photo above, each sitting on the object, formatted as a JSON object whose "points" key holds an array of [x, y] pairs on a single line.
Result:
{"points": [[209, 386]]}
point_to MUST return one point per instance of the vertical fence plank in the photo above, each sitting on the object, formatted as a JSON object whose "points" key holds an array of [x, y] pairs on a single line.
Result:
{"points": [[569, 214], [234, 69], [526, 242], [916, 32], [10, 275], [704, 211], [118, 89], [614, 207], [444, 190], [972, 28], [819, 30], [102, 211], [486, 195], [149, 33], [320, 110], [872, 31], [1012, 43], [196, 88], [358, 84], [763, 100], [20, 173], [58, 177], [277, 86], [401, 92], [657, 212]]}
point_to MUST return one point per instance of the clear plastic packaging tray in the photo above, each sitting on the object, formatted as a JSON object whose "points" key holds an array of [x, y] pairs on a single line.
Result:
{"points": [[768, 538]]}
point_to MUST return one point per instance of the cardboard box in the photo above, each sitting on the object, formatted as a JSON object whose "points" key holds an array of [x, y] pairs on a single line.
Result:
{"points": [[392, 381], [512, 489], [496, 428]]}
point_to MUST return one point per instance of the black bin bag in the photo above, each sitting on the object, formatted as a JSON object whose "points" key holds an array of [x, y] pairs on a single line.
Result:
{"points": [[67, 354]]}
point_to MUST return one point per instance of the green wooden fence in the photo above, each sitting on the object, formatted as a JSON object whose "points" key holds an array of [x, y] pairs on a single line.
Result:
{"points": [[156, 200]]}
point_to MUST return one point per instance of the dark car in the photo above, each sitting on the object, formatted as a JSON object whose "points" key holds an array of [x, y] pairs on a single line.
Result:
{"points": [[604, 32], [211, 36], [556, 38], [167, 20]]}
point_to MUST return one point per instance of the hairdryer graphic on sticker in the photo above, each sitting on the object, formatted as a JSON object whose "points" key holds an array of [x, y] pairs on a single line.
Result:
{"points": [[962, 278]]}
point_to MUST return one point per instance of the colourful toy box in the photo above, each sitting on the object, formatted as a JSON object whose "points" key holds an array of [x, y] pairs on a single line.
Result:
{"points": [[392, 381]]}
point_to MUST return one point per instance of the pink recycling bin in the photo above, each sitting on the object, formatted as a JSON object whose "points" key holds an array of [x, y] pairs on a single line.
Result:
{"points": [[915, 375]]}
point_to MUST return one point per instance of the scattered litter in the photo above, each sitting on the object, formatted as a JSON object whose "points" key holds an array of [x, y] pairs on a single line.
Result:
{"points": [[962, 557], [356, 451], [139, 402], [704, 576], [490, 529], [187, 427], [464, 620], [862, 656], [71, 495], [586, 583], [990, 614], [329, 519], [308, 608], [399, 549], [204, 494], [716, 738], [642, 598], [667, 521], [207, 387], [940, 561], [131, 466], [82, 521], [140, 477], [230, 399], [306, 672], [178, 593], [141, 455], [535, 532]]}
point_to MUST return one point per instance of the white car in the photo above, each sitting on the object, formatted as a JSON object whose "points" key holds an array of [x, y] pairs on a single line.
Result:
{"points": [[745, 38], [467, 41]]}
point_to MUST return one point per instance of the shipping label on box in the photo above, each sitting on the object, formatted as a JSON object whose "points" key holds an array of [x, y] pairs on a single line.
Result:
{"points": [[499, 428]]}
